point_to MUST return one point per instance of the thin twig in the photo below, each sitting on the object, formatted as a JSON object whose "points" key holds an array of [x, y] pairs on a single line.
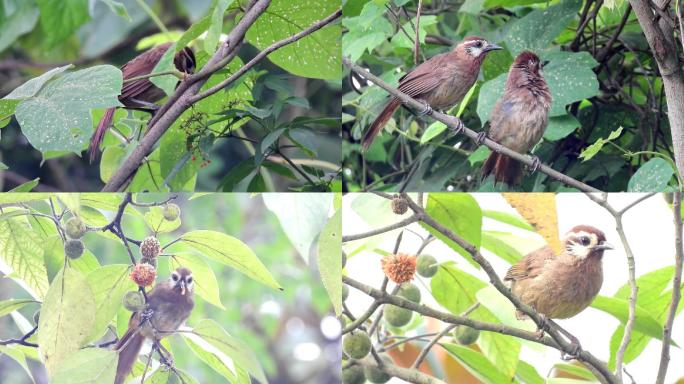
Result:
{"points": [[416, 43]]}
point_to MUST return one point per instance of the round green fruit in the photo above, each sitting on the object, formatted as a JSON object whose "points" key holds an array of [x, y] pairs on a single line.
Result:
{"points": [[345, 292], [409, 291], [356, 345], [466, 335], [397, 316], [377, 375], [171, 212], [353, 375], [426, 266], [75, 229], [134, 301], [74, 248]]}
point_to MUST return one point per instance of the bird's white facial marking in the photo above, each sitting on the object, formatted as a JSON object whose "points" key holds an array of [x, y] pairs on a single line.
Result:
{"points": [[476, 47], [580, 244]]}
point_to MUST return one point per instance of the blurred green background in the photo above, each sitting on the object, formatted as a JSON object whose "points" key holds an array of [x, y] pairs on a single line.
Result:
{"points": [[292, 332]]}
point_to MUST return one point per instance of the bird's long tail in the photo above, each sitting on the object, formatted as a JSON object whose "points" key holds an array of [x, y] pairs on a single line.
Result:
{"points": [[128, 349], [380, 122], [96, 140], [504, 168]]}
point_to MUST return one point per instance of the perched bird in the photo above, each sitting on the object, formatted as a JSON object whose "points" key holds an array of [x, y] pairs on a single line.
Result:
{"points": [[141, 94], [440, 82], [168, 306], [561, 286], [519, 118]]}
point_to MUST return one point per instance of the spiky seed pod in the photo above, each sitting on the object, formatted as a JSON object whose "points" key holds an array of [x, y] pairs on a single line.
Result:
{"points": [[171, 211], [427, 266], [356, 344], [75, 229], [134, 301], [150, 247], [143, 274], [399, 268], [74, 248], [353, 375], [399, 205]]}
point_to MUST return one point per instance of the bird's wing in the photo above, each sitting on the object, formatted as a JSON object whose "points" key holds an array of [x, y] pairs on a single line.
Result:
{"points": [[426, 77], [139, 66], [531, 265], [499, 119]]}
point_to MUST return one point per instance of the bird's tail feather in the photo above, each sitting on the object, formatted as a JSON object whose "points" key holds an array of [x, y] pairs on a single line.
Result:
{"points": [[505, 169], [380, 122], [128, 349], [96, 140]]}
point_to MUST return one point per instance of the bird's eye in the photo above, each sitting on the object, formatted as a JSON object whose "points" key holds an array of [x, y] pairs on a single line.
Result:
{"points": [[584, 240], [189, 279], [478, 44], [174, 277]]}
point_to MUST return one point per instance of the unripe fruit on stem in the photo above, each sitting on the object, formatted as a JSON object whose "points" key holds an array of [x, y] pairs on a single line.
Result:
{"points": [[377, 375], [345, 292], [150, 247], [73, 248], [143, 274], [353, 375], [74, 228], [134, 301], [399, 205], [356, 344], [171, 212], [465, 335], [397, 316], [410, 292], [426, 266]]}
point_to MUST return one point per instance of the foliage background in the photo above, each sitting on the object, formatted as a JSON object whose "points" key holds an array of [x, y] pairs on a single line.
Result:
{"points": [[601, 74], [39, 35], [292, 332], [648, 227]]}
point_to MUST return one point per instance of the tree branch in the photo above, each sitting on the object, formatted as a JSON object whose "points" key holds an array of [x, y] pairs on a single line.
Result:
{"points": [[406, 374], [454, 123], [676, 290]]}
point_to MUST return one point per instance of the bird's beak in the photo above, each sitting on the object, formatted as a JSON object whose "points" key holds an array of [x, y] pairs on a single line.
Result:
{"points": [[545, 63], [605, 245], [182, 286], [491, 47]]}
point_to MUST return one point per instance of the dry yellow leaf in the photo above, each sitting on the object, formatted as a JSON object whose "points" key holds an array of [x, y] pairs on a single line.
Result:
{"points": [[539, 209]]}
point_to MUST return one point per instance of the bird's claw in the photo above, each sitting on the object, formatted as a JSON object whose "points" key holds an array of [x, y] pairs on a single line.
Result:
{"points": [[574, 353], [459, 128], [427, 109], [536, 163], [146, 315], [480, 138]]}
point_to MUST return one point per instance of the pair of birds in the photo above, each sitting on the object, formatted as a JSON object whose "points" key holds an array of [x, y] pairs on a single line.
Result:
{"points": [[518, 119]]}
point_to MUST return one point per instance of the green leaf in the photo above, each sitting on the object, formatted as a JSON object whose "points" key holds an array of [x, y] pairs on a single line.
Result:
{"points": [[619, 308], [216, 25], [16, 353], [166, 82], [500, 247], [58, 117], [27, 186], [118, 8], [33, 86], [108, 284], [400, 40], [195, 30], [476, 364], [230, 251], [60, 18], [576, 370], [66, 318], [20, 248], [11, 305], [87, 366], [594, 148], [232, 181], [317, 55], [508, 218], [570, 78], [528, 374], [302, 216], [330, 259], [111, 160], [215, 335], [265, 144], [479, 155], [366, 31], [560, 126], [207, 286], [19, 22], [214, 359], [460, 213], [652, 176], [154, 218], [432, 131], [536, 30], [454, 289]]}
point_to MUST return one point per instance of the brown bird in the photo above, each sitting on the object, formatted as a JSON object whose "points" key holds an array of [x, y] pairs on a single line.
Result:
{"points": [[141, 94], [440, 82], [168, 306], [519, 118], [561, 286]]}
